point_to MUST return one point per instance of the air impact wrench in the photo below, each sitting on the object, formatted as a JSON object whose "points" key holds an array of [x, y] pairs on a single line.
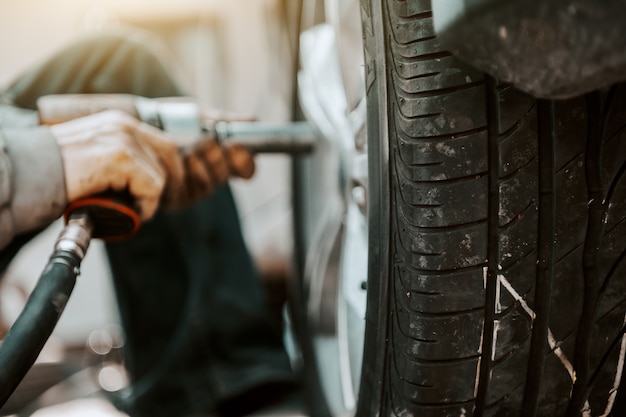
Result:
{"points": [[111, 218]]}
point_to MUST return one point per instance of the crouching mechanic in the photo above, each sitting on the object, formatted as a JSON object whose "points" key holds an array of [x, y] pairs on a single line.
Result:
{"points": [[199, 336]]}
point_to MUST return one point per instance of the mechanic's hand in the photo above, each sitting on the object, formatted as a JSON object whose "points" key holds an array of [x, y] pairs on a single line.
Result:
{"points": [[208, 166], [113, 150]]}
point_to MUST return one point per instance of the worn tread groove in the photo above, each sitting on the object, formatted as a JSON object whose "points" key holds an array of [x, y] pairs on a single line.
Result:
{"points": [[611, 310], [504, 398], [447, 136], [440, 362], [522, 258], [416, 77], [440, 91], [545, 256], [455, 313], [567, 254], [519, 170], [519, 124], [581, 361], [407, 224], [445, 271], [424, 165], [419, 15], [510, 309], [621, 259], [616, 134], [417, 117], [434, 229], [614, 183], [418, 292], [422, 206], [570, 161], [416, 339], [614, 344], [435, 406], [423, 57], [417, 41], [508, 356], [449, 181], [517, 218], [616, 225], [493, 251], [607, 205], [418, 57]]}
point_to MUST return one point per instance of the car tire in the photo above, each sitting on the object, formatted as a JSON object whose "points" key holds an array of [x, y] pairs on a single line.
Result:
{"points": [[497, 236]]}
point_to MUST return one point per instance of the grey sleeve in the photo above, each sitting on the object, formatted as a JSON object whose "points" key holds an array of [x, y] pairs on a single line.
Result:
{"points": [[32, 185]]}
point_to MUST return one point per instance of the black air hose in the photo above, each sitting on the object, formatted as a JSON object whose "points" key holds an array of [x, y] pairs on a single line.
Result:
{"points": [[22, 344]]}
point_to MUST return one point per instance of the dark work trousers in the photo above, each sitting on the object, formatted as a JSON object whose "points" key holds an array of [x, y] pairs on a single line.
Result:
{"points": [[198, 328]]}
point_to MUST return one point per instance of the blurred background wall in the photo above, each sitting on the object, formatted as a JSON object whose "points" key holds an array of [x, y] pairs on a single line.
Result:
{"points": [[234, 55]]}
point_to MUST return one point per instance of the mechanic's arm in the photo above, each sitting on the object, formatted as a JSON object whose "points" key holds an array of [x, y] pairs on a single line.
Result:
{"points": [[32, 188], [44, 168], [189, 174], [206, 164]]}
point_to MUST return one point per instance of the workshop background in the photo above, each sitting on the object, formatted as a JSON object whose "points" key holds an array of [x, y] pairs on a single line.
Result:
{"points": [[233, 55]]}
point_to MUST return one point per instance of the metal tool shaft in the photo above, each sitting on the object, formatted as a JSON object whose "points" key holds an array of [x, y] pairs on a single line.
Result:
{"points": [[265, 137]]}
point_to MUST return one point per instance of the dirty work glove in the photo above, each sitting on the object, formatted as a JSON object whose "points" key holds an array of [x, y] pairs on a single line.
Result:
{"points": [[114, 151]]}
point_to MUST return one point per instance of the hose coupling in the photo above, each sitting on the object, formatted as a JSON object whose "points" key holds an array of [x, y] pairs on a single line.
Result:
{"points": [[76, 235]]}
